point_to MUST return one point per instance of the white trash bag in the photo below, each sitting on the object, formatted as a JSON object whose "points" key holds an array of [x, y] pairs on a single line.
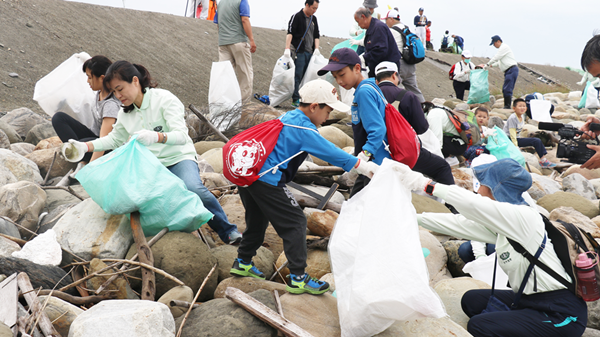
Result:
{"points": [[43, 249], [592, 101], [282, 83], [482, 269], [314, 65], [377, 261], [224, 94], [65, 89]]}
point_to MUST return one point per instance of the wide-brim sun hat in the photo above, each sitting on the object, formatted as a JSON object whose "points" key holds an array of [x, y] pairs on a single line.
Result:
{"points": [[506, 178]]}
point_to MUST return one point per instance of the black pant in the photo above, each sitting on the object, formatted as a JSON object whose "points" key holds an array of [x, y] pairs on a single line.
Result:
{"points": [[460, 87], [554, 313], [452, 146], [67, 127], [266, 203]]}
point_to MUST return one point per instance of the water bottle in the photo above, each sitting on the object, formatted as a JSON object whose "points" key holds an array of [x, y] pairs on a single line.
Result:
{"points": [[586, 278]]}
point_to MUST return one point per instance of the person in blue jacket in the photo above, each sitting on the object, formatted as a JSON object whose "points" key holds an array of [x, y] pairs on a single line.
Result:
{"points": [[379, 42], [269, 200]]}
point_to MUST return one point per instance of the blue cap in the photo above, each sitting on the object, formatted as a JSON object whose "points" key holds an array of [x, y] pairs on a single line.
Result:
{"points": [[340, 59], [495, 38], [506, 178]]}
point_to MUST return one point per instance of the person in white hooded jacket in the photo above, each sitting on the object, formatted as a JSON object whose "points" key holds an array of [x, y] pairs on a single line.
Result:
{"points": [[462, 71]]}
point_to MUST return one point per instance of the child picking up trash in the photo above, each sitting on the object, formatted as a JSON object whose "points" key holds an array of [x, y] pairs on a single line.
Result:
{"points": [[268, 199], [473, 151]]}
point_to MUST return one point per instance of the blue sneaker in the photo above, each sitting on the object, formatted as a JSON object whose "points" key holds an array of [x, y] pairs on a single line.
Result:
{"points": [[296, 103], [234, 237], [306, 284], [547, 164], [240, 268]]}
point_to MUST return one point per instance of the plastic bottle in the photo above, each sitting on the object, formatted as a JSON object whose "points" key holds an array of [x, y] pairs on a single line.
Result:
{"points": [[586, 278]]}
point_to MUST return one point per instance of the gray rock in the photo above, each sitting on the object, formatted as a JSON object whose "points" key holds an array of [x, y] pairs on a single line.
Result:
{"points": [[542, 186], [532, 160], [568, 214], [22, 148], [43, 159], [132, 318], [6, 176], [13, 136], [300, 309], [52, 218], [9, 229], [591, 333], [22, 120], [204, 166], [88, 232], [226, 254], [593, 314], [22, 202], [451, 292], [425, 327], [179, 293], [436, 261], [455, 263], [61, 313], [221, 317], [39, 132], [495, 121], [5, 331], [55, 198], [248, 285], [41, 276], [4, 142], [206, 145], [184, 256], [7, 247], [576, 183], [579, 203], [21, 167]]}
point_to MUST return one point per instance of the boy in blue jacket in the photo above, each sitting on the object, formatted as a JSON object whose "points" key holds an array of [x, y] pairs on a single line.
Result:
{"points": [[269, 200]]}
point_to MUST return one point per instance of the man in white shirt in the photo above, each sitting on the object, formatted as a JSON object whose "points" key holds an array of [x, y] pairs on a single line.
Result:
{"points": [[420, 23], [505, 60]]}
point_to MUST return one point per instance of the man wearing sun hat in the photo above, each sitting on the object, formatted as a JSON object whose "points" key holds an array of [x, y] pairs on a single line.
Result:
{"points": [[505, 60]]}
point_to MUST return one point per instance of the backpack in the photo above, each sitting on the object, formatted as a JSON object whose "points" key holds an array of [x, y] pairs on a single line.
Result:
{"points": [[462, 127], [245, 154], [445, 41], [569, 241], [413, 51], [404, 145], [451, 72]]}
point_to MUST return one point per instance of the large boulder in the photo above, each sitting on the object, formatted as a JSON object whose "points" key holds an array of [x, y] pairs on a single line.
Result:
{"points": [[58, 197], [48, 143], [132, 318], [212, 180], [184, 256], [117, 289], [46, 277], [39, 132], [8, 228], [579, 203], [576, 183], [5, 331], [542, 186], [7, 247], [455, 264], [222, 317], [248, 285], [424, 204], [317, 263], [226, 254], [179, 293], [22, 120], [215, 158], [22, 148], [11, 133], [436, 261], [89, 232], [336, 136], [587, 174], [21, 167], [6, 176], [203, 146], [568, 214], [22, 202], [43, 159], [61, 313], [426, 327], [300, 309], [320, 222], [451, 292], [4, 142]]}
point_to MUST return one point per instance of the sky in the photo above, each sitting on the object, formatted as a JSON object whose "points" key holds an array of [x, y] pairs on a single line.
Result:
{"points": [[550, 32]]}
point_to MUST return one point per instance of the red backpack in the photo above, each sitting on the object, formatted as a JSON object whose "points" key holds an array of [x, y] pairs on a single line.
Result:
{"points": [[404, 145]]}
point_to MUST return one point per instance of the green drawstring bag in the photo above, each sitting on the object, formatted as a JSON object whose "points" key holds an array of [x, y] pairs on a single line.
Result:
{"points": [[500, 146], [479, 91], [131, 178]]}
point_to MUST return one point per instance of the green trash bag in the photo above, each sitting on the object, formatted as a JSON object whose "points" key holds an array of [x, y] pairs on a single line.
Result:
{"points": [[346, 44], [479, 91], [500, 146], [131, 178]]}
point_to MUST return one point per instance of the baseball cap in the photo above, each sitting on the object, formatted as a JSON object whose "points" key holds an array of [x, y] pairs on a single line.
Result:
{"points": [[392, 14], [495, 38], [386, 66], [466, 54], [421, 9], [370, 4], [340, 58], [322, 92]]}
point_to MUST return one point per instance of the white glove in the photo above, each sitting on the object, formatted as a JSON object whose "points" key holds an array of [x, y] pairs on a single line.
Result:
{"points": [[317, 52], [412, 180], [363, 156], [354, 42], [73, 151], [366, 168], [146, 137], [287, 53], [478, 249]]}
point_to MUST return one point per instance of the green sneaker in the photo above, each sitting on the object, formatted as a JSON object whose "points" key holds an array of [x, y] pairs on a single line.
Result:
{"points": [[295, 103], [239, 268], [307, 285]]}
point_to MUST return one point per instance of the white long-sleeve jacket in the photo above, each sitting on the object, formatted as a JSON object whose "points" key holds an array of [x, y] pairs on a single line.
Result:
{"points": [[504, 58], [460, 71]]}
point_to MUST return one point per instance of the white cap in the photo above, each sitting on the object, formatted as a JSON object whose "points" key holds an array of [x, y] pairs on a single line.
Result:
{"points": [[322, 92], [386, 66], [466, 54], [392, 14]]}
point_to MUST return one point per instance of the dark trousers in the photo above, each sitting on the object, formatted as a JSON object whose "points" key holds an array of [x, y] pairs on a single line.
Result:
{"points": [[460, 87], [451, 146], [301, 63], [510, 78], [554, 313], [67, 127], [535, 142], [266, 203], [465, 251]]}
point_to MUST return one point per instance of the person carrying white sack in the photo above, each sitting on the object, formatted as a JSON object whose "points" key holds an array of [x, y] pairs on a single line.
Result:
{"points": [[546, 308]]}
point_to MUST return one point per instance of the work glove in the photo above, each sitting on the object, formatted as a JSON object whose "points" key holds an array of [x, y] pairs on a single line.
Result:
{"points": [[363, 156], [354, 42], [146, 137], [73, 151], [412, 180], [317, 52], [366, 168], [478, 249], [287, 53]]}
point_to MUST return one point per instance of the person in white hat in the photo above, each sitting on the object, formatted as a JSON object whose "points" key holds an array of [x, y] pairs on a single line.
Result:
{"points": [[460, 76], [268, 200]]}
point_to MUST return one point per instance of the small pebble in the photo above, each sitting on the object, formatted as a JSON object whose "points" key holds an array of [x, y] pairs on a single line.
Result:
{"points": [[13, 74], [28, 25], [1, 45], [22, 51], [7, 85]]}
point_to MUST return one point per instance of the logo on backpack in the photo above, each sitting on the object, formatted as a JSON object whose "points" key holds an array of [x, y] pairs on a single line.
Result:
{"points": [[243, 156], [413, 51]]}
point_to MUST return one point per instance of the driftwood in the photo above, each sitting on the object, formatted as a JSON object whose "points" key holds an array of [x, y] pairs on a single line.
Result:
{"points": [[278, 303], [278, 270], [35, 306], [9, 297], [182, 304], [145, 256], [50, 169], [265, 313], [322, 169], [147, 266], [208, 123], [92, 275], [76, 300], [195, 299], [308, 201], [20, 242]]}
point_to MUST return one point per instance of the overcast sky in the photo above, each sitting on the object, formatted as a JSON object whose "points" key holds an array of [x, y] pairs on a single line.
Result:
{"points": [[551, 32]]}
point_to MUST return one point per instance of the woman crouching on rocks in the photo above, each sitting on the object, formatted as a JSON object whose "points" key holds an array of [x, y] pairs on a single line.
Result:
{"points": [[498, 213], [156, 116]]}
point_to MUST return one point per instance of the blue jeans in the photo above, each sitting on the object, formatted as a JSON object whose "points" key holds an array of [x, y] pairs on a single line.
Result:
{"points": [[465, 251], [301, 63], [510, 78], [535, 142], [187, 170]]}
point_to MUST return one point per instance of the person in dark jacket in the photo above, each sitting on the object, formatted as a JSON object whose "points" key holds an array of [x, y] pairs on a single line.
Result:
{"points": [[407, 103], [380, 44], [303, 37]]}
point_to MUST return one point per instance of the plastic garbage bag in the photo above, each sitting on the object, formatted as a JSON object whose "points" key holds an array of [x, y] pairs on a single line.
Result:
{"points": [[315, 64], [500, 146], [43, 249], [65, 89], [131, 178], [479, 91], [346, 44], [371, 294], [591, 98], [482, 269], [224, 94], [431, 143], [282, 83]]}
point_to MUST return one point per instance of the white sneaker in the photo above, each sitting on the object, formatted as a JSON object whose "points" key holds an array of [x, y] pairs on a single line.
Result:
{"points": [[452, 161]]}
